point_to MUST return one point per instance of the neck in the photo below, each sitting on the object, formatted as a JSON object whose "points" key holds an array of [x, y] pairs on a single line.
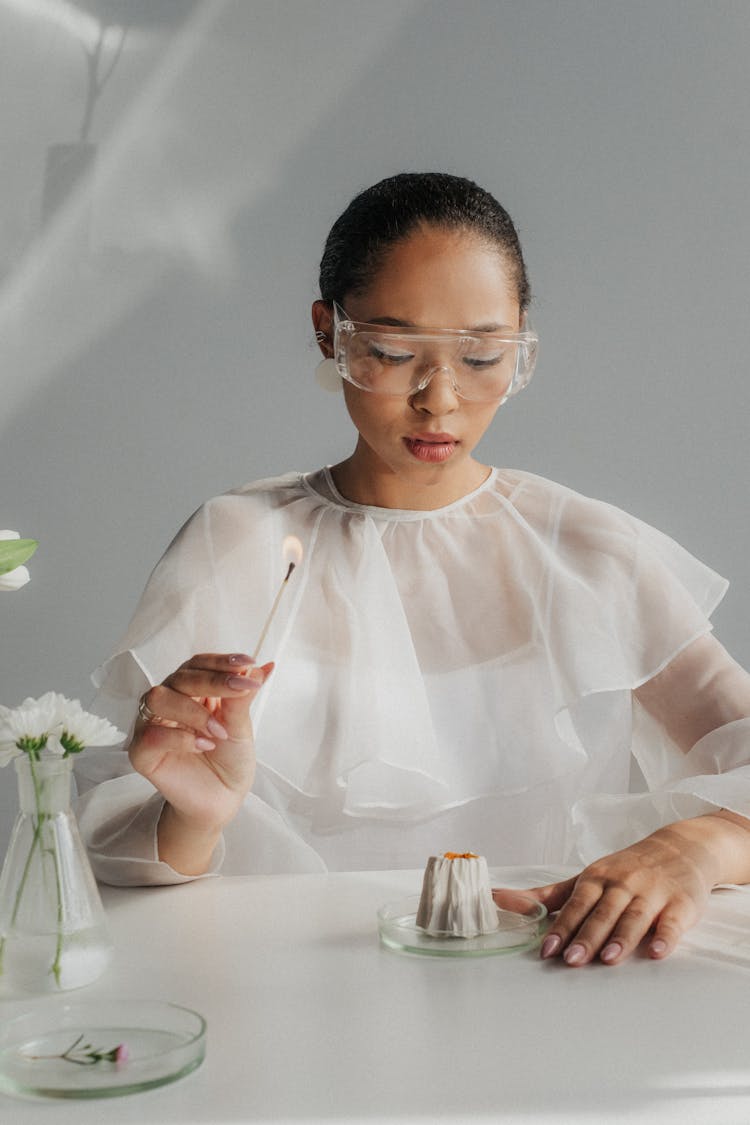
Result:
{"points": [[364, 481]]}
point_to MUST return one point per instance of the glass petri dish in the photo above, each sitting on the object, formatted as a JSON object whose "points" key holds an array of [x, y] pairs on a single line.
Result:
{"points": [[164, 1042], [521, 922]]}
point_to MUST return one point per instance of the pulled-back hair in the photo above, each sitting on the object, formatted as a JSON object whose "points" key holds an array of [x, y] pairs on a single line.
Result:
{"points": [[387, 212]]}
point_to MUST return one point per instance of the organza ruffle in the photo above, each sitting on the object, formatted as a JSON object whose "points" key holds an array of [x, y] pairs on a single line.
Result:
{"points": [[424, 659]]}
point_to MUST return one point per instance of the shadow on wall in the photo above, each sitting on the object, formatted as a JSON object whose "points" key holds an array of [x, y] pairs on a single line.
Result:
{"points": [[154, 333], [147, 326]]}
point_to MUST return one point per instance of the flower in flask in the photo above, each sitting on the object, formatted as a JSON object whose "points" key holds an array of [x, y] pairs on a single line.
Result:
{"points": [[14, 552], [31, 727], [79, 728], [41, 732], [52, 723]]}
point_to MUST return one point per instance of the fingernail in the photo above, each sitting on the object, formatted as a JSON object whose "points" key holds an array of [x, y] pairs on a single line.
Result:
{"points": [[238, 683], [658, 947], [612, 951], [550, 945], [216, 729], [257, 676], [204, 744], [240, 658], [575, 954]]}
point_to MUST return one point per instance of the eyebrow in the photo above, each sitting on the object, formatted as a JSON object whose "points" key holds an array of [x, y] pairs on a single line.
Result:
{"points": [[393, 322]]}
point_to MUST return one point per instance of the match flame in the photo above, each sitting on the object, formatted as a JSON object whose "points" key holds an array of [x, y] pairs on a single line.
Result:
{"points": [[291, 552]]}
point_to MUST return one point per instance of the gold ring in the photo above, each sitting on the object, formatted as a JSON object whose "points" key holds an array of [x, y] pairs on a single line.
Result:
{"points": [[145, 711]]}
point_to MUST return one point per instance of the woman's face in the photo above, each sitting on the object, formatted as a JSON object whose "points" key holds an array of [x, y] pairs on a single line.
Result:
{"points": [[415, 450]]}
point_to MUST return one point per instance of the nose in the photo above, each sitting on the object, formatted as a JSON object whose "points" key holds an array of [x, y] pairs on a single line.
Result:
{"points": [[437, 392]]}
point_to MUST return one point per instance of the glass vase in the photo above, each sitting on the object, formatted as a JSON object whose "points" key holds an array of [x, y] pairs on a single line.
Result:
{"points": [[53, 930]]}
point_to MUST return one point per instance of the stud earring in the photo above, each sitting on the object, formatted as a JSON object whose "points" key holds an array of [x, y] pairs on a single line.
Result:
{"points": [[327, 375]]}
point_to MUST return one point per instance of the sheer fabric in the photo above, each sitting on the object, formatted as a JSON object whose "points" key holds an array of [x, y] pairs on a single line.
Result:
{"points": [[458, 679]]}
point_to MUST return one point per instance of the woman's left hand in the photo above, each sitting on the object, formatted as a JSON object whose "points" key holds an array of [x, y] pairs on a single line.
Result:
{"points": [[659, 886]]}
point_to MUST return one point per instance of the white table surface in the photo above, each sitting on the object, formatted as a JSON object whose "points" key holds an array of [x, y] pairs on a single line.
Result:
{"points": [[310, 1020]]}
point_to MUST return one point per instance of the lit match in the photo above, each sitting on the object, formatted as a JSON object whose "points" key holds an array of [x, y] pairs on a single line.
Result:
{"points": [[291, 553]]}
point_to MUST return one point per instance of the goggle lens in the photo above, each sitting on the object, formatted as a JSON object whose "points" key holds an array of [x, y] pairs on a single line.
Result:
{"points": [[391, 361]]}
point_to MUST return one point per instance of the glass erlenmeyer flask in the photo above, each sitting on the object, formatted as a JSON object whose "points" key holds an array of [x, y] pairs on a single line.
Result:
{"points": [[53, 930]]}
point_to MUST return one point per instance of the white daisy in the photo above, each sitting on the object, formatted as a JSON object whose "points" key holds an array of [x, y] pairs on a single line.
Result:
{"points": [[79, 728], [27, 726]]}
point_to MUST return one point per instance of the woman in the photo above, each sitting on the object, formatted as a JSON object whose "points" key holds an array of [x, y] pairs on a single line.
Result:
{"points": [[467, 657]]}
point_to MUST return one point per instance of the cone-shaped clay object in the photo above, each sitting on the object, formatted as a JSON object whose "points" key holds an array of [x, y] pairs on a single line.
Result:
{"points": [[456, 896]]}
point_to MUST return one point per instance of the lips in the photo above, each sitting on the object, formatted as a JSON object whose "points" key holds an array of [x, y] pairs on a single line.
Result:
{"points": [[431, 447]]}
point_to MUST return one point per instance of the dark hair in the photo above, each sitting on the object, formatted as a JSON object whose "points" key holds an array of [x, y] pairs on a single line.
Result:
{"points": [[384, 214]]}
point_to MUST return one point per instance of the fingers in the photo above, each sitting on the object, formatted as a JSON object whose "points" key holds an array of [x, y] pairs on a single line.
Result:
{"points": [[520, 902], [209, 696], [671, 925], [219, 660], [661, 884], [609, 920], [156, 740], [170, 709], [212, 675], [235, 709], [554, 895], [598, 920]]}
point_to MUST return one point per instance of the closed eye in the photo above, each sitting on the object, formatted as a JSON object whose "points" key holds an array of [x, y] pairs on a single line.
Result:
{"points": [[391, 358], [479, 364]]}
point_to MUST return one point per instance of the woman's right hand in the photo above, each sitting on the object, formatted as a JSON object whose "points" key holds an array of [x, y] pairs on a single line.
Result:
{"points": [[199, 751]]}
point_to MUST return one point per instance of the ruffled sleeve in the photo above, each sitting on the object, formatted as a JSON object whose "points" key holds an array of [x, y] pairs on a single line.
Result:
{"points": [[619, 598], [208, 593], [222, 562], [620, 602], [713, 774], [617, 601]]}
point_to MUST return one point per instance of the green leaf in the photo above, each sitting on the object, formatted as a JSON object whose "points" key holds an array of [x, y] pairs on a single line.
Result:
{"points": [[15, 552]]}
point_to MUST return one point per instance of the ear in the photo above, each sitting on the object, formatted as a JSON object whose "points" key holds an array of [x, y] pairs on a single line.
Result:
{"points": [[322, 318]]}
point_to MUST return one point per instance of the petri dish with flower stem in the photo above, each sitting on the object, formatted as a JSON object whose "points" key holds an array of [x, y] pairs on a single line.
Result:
{"points": [[521, 923], [99, 1049]]}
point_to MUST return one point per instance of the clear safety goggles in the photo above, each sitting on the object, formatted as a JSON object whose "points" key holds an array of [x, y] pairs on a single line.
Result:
{"points": [[483, 367]]}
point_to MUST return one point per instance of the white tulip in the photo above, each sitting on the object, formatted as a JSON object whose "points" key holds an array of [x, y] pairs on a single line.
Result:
{"points": [[13, 579]]}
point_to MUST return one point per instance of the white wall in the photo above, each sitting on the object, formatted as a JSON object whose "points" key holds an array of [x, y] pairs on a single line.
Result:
{"points": [[155, 345]]}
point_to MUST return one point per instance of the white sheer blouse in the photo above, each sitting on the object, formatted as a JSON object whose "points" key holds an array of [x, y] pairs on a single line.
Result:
{"points": [[458, 679]]}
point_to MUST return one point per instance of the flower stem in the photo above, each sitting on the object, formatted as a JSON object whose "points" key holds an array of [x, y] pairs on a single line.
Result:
{"points": [[38, 822], [36, 842], [42, 817], [87, 1054], [56, 967]]}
